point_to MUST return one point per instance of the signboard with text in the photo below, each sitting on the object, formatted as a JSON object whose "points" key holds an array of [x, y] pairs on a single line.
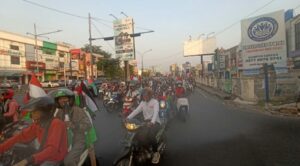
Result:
{"points": [[264, 41], [124, 45], [33, 65]]}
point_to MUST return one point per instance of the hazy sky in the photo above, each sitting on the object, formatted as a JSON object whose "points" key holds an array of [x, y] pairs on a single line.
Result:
{"points": [[172, 20]]}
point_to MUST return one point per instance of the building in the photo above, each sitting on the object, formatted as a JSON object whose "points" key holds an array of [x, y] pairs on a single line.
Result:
{"points": [[293, 40], [18, 58], [81, 64]]}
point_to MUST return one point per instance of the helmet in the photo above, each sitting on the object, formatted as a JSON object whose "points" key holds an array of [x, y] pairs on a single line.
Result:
{"points": [[45, 104], [56, 94], [9, 94]]}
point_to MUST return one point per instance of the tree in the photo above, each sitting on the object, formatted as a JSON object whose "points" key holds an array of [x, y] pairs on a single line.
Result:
{"points": [[111, 67]]}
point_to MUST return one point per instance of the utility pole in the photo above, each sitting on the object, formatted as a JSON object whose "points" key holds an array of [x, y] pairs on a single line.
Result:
{"points": [[91, 50], [36, 45], [36, 50]]}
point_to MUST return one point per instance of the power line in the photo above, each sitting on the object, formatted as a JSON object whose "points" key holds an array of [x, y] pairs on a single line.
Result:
{"points": [[56, 10], [230, 26], [255, 11], [97, 29]]}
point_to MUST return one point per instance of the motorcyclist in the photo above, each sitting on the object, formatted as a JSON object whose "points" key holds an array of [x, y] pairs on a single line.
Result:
{"points": [[179, 91], [150, 108], [133, 92], [10, 106], [76, 120], [50, 132]]}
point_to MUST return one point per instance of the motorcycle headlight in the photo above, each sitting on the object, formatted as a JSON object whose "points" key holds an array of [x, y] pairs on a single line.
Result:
{"points": [[106, 93], [131, 126], [162, 104]]}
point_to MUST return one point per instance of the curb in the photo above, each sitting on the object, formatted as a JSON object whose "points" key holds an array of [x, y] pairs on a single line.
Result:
{"points": [[214, 92]]}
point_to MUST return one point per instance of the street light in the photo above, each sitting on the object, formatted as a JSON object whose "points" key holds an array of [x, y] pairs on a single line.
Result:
{"points": [[142, 56], [35, 39]]}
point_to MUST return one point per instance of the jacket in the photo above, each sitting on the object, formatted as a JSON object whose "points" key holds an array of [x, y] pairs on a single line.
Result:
{"points": [[55, 147], [12, 111], [79, 119]]}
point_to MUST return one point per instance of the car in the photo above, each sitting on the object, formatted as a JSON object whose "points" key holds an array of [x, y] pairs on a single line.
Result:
{"points": [[60, 82], [49, 84], [9, 84]]}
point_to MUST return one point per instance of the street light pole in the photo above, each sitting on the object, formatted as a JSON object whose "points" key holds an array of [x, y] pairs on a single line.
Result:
{"points": [[35, 49], [142, 56], [36, 45]]}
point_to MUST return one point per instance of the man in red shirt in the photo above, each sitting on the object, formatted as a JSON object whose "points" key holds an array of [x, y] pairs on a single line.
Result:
{"points": [[179, 91], [50, 132]]}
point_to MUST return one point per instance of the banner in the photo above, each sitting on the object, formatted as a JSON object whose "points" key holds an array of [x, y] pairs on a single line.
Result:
{"points": [[264, 41], [124, 45], [200, 47]]}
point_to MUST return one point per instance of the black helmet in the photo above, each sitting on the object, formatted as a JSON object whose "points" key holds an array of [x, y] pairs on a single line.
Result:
{"points": [[44, 104], [63, 92]]}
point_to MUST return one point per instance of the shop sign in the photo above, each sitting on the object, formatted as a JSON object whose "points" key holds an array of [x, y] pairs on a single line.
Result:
{"points": [[10, 52], [50, 72], [34, 65]]}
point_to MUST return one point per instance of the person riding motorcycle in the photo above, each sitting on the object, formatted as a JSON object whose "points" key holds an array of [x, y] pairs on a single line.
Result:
{"points": [[50, 132], [11, 106], [133, 92], [150, 108], [179, 91], [76, 119]]}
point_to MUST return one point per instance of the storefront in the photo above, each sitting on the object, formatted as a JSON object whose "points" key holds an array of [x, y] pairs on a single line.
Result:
{"points": [[37, 68], [50, 75]]}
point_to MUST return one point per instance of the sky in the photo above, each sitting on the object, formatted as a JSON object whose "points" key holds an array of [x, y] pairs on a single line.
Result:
{"points": [[173, 21]]}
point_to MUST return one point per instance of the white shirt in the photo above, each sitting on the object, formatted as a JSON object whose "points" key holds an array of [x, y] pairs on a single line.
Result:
{"points": [[150, 111], [131, 93]]}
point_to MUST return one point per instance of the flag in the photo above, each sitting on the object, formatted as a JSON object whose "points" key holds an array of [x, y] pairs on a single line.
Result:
{"points": [[89, 100], [35, 88]]}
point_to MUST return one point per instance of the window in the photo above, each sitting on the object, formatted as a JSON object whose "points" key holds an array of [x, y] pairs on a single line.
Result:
{"points": [[61, 54], [297, 35], [14, 47], [15, 60], [61, 65]]}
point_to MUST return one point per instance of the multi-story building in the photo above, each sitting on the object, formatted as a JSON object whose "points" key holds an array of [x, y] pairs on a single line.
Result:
{"points": [[18, 58]]}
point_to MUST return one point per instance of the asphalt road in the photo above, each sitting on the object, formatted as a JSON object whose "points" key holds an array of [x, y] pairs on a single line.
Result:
{"points": [[215, 134]]}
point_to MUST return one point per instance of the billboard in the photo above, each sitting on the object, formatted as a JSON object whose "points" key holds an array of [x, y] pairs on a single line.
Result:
{"points": [[124, 42], [200, 47], [264, 41]]}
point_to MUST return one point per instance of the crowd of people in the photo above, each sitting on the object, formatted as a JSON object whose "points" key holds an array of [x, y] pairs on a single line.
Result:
{"points": [[60, 120]]}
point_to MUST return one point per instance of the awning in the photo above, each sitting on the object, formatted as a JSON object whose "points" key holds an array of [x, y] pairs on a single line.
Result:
{"points": [[11, 73]]}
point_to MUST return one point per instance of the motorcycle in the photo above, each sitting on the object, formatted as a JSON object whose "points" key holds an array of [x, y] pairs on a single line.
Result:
{"points": [[134, 152], [112, 101], [182, 108], [164, 109], [16, 153]]}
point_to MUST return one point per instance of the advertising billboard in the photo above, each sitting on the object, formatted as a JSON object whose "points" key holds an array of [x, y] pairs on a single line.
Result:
{"points": [[200, 47], [124, 42], [264, 41]]}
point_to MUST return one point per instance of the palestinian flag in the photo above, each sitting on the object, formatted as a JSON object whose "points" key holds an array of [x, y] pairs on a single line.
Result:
{"points": [[90, 103]]}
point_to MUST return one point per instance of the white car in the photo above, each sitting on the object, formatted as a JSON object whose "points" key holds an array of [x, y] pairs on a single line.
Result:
{"points": [[49, 84]]}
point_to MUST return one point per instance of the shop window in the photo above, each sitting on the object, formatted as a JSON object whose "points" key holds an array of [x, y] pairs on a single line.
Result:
{"points": [[15, 60], [61, 65], [61, 54], [14, 47]]}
